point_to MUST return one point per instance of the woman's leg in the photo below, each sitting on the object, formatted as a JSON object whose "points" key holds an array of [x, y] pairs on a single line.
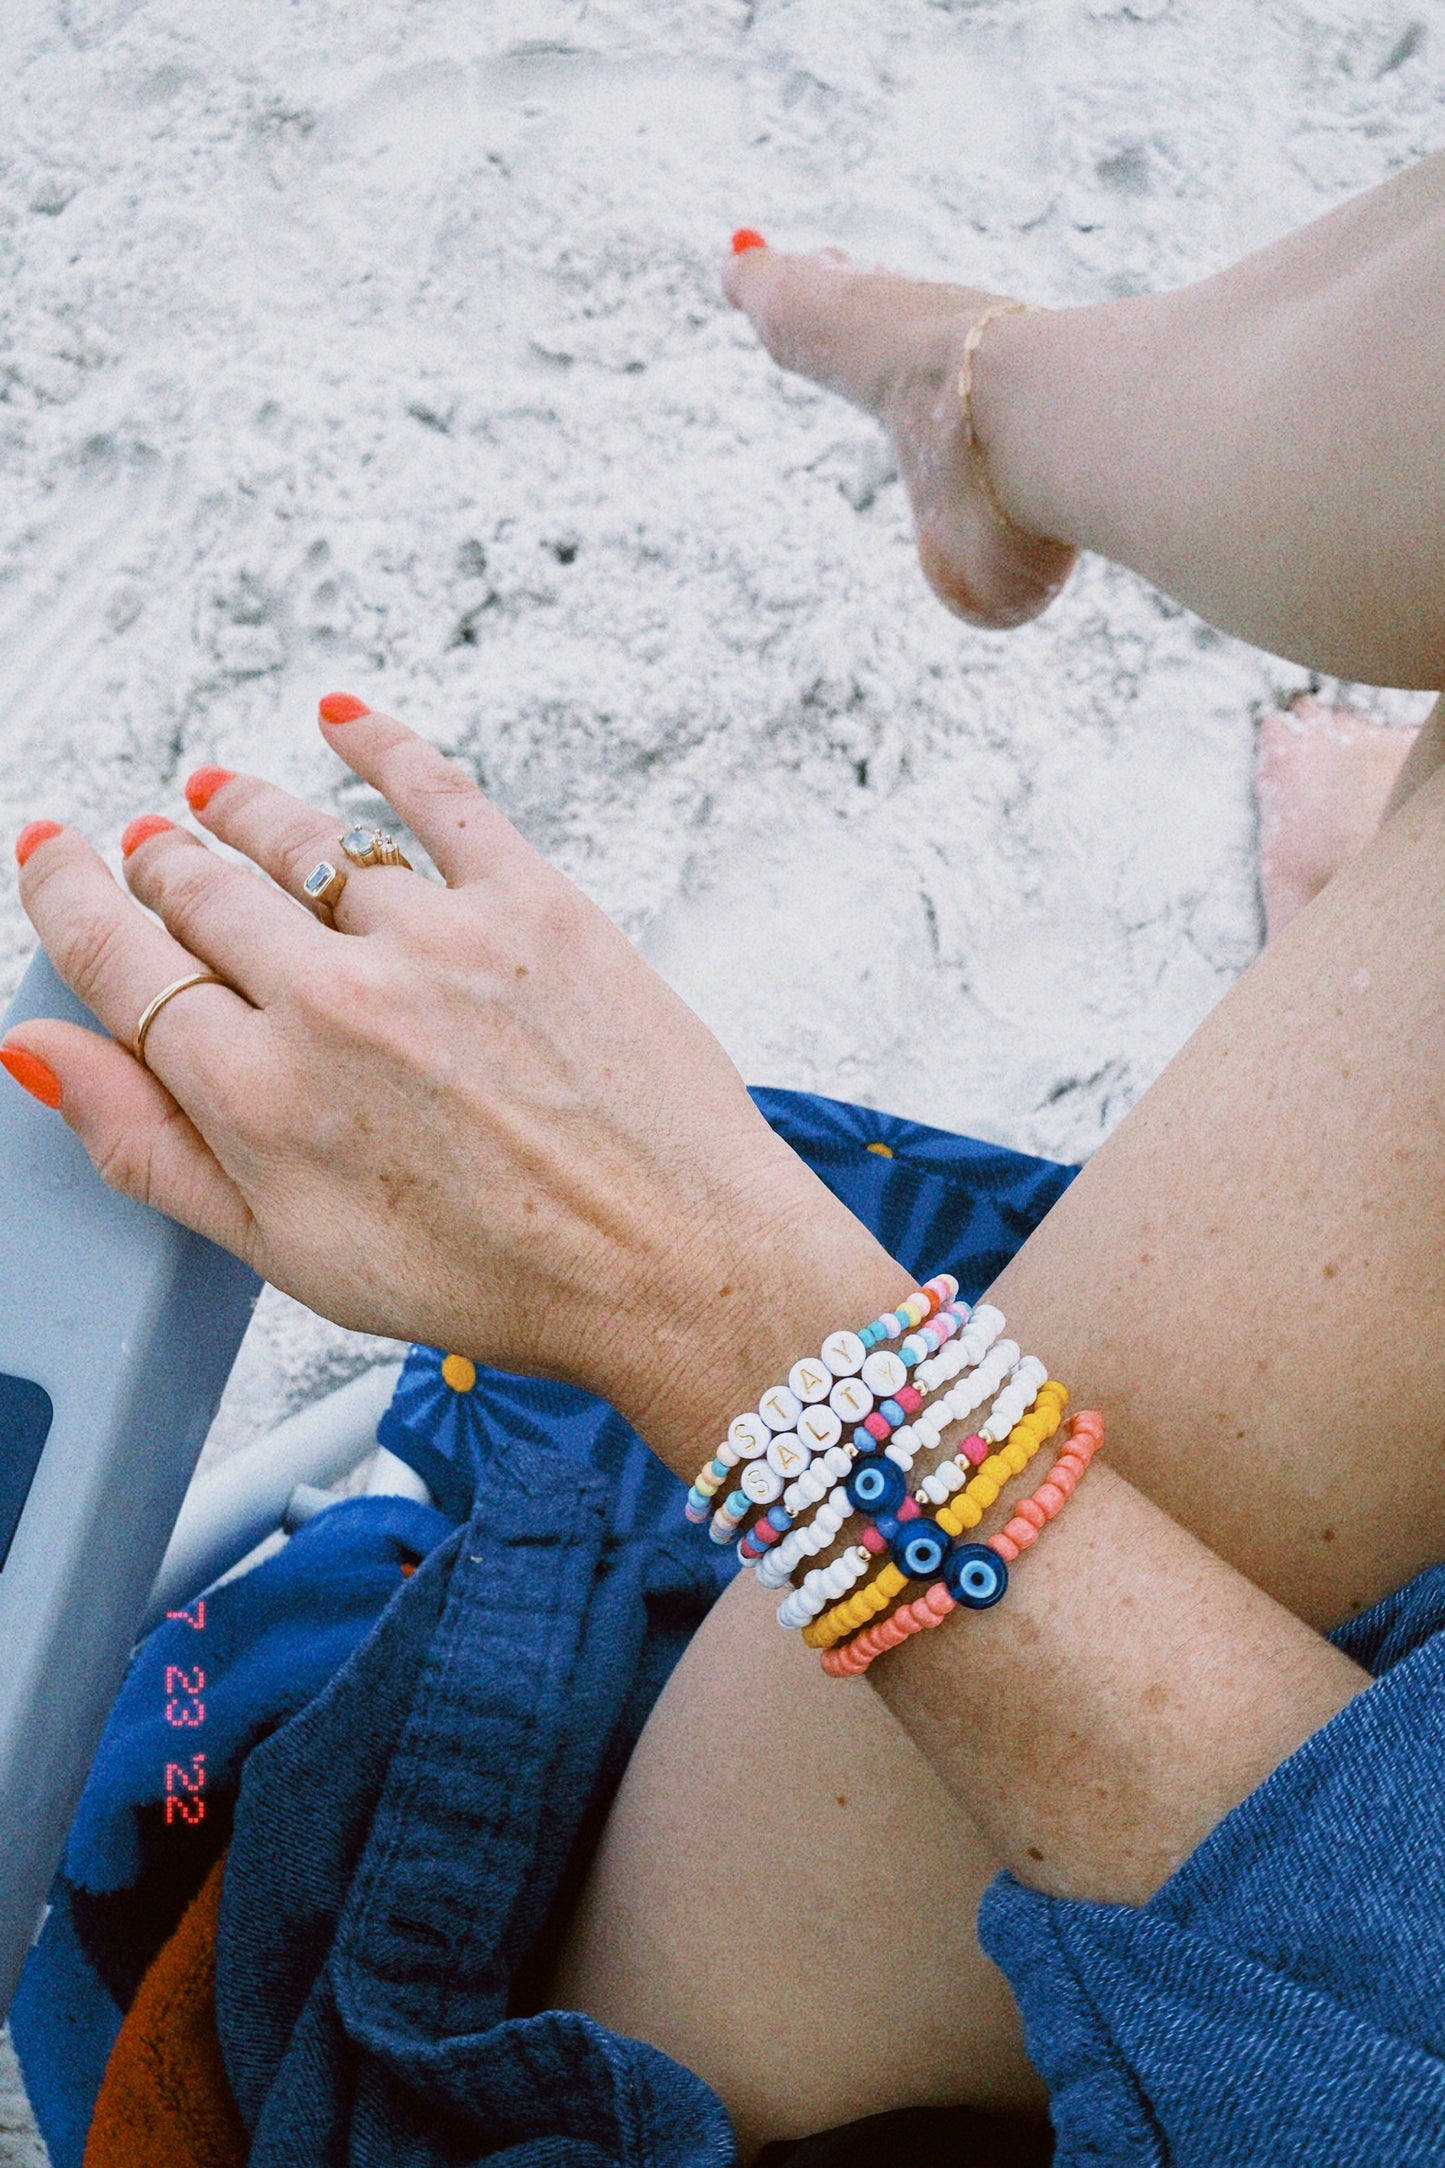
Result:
{"points": [[1268, 445], [1248, 1278]]}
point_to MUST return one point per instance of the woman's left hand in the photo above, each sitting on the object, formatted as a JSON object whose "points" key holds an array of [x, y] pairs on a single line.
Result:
{"points": [[470, 1115]]}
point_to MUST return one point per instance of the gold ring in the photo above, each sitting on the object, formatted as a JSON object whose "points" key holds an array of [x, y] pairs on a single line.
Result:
{"points": [[321, 887], [153, 1009], [373, 847]]}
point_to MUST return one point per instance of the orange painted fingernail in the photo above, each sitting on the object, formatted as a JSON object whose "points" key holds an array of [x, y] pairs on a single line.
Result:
{"points": [[32, 1074], [30, 838], [141, 831], [745, 238], [201, 787], [342, 708]]}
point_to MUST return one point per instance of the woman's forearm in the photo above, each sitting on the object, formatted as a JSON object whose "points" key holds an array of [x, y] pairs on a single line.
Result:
{"points": [[1129, 1690], [1127, 1693], [1268, 445]]}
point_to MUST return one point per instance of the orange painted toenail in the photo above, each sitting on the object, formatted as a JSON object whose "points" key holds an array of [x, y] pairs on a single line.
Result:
{"points": [[141, 831], [32, 1074], [745, 238], [342, 708], [201, 787], [31, 837]]}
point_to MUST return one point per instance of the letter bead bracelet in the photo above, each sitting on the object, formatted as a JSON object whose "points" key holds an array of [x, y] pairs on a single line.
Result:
{"points": [[842, 1435]]}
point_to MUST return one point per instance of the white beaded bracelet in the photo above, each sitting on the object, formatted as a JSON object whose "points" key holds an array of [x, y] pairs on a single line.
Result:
{"points": [[793, 1422], [962, 1398], [1012, 1404], [824, 1585]]}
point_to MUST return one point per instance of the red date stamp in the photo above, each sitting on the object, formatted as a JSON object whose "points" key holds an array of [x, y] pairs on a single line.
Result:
{"points": [[186, 1711]]}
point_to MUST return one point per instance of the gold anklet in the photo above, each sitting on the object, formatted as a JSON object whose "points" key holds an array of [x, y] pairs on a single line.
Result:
{"points": [[971, 345]]}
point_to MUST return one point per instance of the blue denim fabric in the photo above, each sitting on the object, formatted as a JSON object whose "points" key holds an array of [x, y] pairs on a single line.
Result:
{"points": [[1282, 1998]]}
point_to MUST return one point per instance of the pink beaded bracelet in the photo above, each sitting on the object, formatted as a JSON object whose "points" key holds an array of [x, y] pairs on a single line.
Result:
{"points": [[1086, 1435]]}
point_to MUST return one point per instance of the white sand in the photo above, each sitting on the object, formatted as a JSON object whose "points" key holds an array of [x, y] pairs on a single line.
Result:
{"points": [[379, 346]]}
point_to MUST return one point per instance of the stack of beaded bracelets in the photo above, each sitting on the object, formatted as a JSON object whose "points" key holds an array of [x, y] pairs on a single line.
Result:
{"points": [[799, 1425], [794, 1454], [977, 1573]]}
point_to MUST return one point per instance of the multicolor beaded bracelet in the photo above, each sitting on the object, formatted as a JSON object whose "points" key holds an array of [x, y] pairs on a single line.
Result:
{"points": [[976, 1574], [965, 1511], [877, 1488], [805, 1416]]}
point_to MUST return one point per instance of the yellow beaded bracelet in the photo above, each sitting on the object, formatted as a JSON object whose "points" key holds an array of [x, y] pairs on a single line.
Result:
{"points": [[963, 1512], [1011, 1459]]}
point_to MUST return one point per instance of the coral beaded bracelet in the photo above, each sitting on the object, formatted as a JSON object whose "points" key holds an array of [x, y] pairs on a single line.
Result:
{"points": [[976, 1574], [966, 1511]]}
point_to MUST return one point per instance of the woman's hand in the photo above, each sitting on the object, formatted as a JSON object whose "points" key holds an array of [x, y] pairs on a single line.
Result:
{"points": [[470, 1115]]}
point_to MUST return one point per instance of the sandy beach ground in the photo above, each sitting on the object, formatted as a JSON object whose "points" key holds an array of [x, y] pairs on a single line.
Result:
{"points": [[380, 346]]}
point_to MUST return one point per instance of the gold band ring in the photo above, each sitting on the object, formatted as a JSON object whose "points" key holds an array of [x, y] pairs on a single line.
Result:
{"points": [[321, 887], [153, 1009], [373, 847]]}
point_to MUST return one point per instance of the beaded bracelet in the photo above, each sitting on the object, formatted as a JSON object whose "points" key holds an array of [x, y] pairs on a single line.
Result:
{"points": [[1025, 1376], [793, 1421], [966, 1511], [976, 1575], [877, 1488]]}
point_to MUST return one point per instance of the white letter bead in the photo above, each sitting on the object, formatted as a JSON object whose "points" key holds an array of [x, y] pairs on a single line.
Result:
{"points": [[788, 1455], [851, 1399], [811, 1379], [779, 1408], [761, 1483], [843, 1352], [820, 1427], [748, 1435], [883, 1373]]}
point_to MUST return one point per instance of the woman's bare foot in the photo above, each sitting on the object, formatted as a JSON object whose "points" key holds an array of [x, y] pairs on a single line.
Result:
{"points": [[894, 347], [1322, 779]]}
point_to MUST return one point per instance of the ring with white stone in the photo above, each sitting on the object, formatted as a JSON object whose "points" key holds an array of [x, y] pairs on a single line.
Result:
{"points": [[321, 888], [373, 847]]}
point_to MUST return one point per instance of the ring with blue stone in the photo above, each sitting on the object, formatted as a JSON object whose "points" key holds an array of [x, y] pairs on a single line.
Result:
{"points": [[373, 847], [321, 888]]}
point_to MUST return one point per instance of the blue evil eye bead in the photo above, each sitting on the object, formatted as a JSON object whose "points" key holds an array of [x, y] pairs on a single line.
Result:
{"points": [[920, 1548], [876, 1486], [975, 1576]]}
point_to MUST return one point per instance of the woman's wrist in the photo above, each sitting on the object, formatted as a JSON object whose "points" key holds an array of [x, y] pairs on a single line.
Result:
{"points": [[775, 1266]]}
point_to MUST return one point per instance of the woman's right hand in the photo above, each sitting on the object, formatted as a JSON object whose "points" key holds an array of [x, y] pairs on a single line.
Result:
{"points": [[472, 1115]]}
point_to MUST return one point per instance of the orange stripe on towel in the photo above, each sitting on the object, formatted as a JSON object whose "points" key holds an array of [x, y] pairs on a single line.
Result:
{"points": [[165, 2097]]}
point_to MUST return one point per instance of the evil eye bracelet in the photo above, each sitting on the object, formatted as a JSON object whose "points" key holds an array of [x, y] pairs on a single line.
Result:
{"points": [[792, 1422], [876, 1487], [976, 1574], [966, 1511]]}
